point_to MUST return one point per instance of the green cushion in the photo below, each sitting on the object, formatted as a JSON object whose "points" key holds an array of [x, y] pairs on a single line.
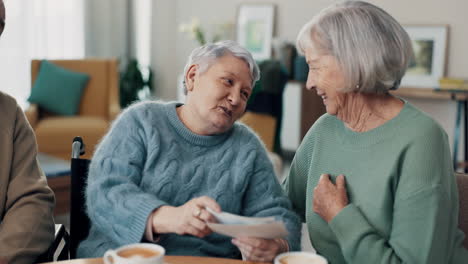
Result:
{"points": [[58, 90]]}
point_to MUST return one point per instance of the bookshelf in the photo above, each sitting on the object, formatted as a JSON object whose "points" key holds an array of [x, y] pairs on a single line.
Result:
{"points": [[461, 97], [431, 93]]}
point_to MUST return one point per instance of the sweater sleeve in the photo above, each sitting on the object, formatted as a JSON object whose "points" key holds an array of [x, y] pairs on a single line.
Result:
{"points": [[264, 197], [296, 182], [27, 227], [423, 213], [116, 204]]}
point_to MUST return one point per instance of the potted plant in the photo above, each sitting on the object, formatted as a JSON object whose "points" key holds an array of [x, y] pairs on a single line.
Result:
{"points": [[132, 82]]}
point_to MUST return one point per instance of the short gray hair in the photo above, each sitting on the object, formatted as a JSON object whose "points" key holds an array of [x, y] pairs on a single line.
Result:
{"points": [[206, 55], [371, 47]]}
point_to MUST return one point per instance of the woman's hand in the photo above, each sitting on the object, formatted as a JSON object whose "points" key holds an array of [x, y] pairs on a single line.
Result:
{"points": [[330, 199], [187, 219], [259, 249]]}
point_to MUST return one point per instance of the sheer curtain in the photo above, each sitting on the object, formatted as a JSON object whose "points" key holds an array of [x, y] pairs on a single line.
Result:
{"points": [[142, 40], [142, 31], [38, 29]]}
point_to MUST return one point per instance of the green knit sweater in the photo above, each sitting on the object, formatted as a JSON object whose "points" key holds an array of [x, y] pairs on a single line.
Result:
{"points": [[403, 199]]}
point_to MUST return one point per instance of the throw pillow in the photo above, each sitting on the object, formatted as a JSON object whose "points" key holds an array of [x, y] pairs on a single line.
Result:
{"points": [[58, 90]]}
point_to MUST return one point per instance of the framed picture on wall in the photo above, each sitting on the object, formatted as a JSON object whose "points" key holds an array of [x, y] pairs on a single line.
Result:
{"points": [[430, 49], [255, 28]]}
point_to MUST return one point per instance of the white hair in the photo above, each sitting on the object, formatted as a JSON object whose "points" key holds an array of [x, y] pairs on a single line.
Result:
{"points": [[206, 55], [371, 47]]}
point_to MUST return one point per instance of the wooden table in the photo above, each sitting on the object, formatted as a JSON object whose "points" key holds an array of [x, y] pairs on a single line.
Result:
{"points": [[168, 260]]}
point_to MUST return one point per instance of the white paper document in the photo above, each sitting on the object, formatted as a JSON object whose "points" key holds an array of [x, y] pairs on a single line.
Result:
{"points": [[241, 226]]}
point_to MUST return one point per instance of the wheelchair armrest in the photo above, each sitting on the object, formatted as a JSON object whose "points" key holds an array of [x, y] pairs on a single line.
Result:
{"points": [[59, 249]]}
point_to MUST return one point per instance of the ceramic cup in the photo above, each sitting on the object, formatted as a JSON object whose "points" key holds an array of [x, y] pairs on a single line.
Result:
{"points": [[300, 258], [139, 253]]}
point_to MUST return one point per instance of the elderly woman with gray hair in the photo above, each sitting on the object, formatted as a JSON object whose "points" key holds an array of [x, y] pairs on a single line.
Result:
{"points": [[373, 176], [162, 164]]}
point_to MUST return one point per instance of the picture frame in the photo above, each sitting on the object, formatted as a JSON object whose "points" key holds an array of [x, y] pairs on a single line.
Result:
{"points": [[254, 29], [430, 53]]}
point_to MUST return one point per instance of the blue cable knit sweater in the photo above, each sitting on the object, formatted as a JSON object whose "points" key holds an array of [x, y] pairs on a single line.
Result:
{"points": [[149, 159]]}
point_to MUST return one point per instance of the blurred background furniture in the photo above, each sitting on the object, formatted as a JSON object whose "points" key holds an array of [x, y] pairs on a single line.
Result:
{"points": [[98, 107], [263, 124], [265, 127], [312, 108], [267, 99]]}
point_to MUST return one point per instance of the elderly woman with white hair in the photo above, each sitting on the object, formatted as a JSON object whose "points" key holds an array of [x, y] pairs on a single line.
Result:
{"points": [[162, 164], [373, 177]]}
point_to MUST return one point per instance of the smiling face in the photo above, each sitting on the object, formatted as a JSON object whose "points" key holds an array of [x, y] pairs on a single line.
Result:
{"points": [[217, 97], [326, 77]]}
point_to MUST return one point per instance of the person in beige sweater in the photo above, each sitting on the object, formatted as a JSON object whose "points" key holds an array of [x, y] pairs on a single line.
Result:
{"points": [[26, 202]]}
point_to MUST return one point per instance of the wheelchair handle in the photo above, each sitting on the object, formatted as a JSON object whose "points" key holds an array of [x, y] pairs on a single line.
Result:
{"points": [[78, 148]]}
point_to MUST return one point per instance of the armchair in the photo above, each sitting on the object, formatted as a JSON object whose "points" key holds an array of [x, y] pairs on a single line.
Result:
{"points": [[98, 107], [265, 126]]}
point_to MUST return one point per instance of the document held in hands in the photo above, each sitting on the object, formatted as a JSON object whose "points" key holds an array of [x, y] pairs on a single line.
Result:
{"points": [[240, 226]]}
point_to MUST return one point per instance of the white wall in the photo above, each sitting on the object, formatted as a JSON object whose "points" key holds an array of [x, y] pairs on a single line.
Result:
{"points": [[291, 123], [292, 14], [164, 49], [106, 28], [171, 48]]}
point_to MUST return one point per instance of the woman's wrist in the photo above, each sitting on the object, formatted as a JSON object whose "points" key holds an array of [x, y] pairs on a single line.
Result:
{"points": [[161, 223], [283, 245]]}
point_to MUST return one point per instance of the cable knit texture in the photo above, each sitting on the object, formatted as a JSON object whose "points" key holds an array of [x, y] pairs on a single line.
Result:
{"points": [[149, 159], [401, 187]]}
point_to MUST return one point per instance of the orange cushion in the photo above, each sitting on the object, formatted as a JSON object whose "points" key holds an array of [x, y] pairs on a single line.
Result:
{"points": [[264, 125], [55, 134]]}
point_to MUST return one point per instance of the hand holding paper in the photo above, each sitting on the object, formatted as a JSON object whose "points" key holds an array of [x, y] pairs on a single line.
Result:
{"points": [[241, 226]]}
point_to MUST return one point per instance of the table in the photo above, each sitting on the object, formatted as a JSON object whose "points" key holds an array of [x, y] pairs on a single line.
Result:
{"points": [[168, 260]]}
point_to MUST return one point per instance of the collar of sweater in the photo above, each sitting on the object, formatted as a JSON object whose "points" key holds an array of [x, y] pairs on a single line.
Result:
{"points": [[188, 135], [393, 127]]}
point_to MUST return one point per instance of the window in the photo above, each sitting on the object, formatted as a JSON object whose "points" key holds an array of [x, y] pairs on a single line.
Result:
{"points": [[39, 29]]}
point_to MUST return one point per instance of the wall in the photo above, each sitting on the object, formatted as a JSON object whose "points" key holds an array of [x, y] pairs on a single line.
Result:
{"points": [[292, 14], [164, 48], [106, 28]]}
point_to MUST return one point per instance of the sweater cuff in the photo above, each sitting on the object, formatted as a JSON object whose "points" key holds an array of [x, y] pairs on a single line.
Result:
{"points": [[149, 235], [348, 223], [140, 219]]}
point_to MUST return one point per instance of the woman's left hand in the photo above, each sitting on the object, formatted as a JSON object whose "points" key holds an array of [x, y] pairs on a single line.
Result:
{"points": [[330, 199], [259, 249]]}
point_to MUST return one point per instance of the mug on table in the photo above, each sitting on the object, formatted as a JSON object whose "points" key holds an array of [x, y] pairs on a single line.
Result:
{"points": [[299, 257], [141, 253]]}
